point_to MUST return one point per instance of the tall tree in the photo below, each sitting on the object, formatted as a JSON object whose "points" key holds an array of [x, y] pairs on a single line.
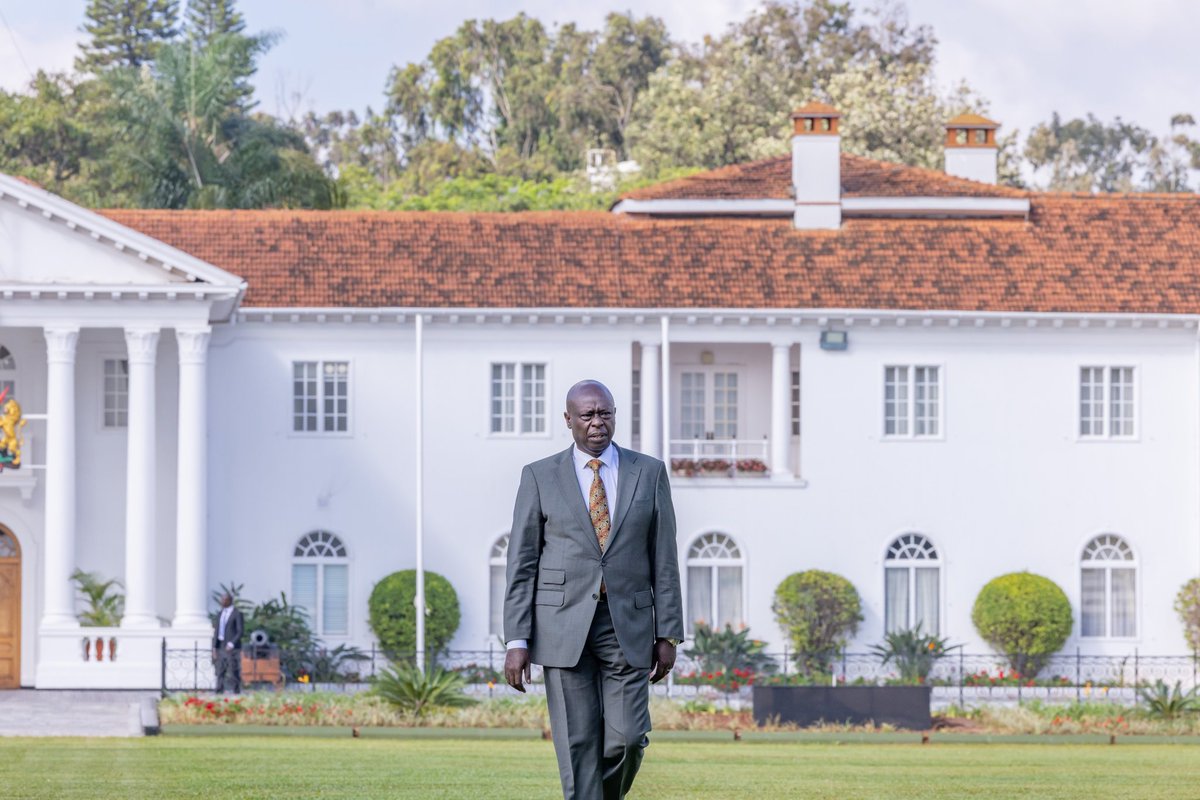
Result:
{"points": [[1087, 155], [207, 18], [125, 33], [218, 24]]}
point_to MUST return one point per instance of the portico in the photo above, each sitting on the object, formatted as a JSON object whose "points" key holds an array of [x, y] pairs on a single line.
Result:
{"points": [[109, 333]]}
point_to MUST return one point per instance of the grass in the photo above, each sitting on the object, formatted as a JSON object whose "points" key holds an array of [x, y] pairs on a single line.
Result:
{"points": [[257, 767]]}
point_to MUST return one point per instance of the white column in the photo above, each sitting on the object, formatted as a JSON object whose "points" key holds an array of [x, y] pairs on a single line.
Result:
{"points": [[191, 528], [60, 476], [651, 372], [140, 485], [781, 410], [666, 389]]}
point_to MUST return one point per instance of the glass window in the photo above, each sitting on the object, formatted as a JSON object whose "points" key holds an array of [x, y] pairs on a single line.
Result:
{"points": [[1108, 588], [321, 582], [912, 585], [528, 395], [1106, 402], [795, 402], [116, 393], [498, 583], [912, 401], [715, 581], [8, 372], [635, 422], [321, 396]]}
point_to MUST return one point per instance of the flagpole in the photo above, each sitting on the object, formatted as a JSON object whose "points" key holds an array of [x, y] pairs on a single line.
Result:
{"points": [[419, 599]]}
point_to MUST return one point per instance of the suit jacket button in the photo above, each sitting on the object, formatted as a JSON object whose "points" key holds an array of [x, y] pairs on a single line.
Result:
{"points": [[595, 597]]}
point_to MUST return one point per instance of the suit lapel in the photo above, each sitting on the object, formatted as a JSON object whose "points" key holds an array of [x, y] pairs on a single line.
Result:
{"points": [[569, 486], [628, 472]]}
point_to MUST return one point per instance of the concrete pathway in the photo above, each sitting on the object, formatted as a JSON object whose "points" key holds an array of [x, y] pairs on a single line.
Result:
{"points": [[33, 712]]}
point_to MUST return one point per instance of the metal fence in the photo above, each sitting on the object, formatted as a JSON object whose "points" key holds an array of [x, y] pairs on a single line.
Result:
{"points": [[958, 677]]}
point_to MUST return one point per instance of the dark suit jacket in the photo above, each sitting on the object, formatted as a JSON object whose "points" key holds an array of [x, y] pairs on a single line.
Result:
{"points": [[555, 565], [233, 629]]}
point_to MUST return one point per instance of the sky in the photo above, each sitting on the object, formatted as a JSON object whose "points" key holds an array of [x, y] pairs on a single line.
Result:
{"points": [[1028, 58]]}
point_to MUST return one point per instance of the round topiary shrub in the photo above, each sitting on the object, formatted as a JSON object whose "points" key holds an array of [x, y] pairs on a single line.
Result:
{"points": [[1187, 606], [818, 611], [394, 619], [1025, 617]]}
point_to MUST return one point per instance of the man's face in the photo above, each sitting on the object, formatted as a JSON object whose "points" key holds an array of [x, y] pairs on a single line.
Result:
{"points": [[226, 601], [592, 418]]}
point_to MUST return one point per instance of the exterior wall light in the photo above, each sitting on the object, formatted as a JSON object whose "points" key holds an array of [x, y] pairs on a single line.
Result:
{"points": [[834, 340]]}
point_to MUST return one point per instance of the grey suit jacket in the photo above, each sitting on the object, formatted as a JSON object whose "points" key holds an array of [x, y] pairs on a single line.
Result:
{"points": [[555, 565]]}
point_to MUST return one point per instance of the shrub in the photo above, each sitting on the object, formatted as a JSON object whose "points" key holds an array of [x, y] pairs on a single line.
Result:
{"points": [[1165, 702], [1024, 617], [1187, 606], [913, 652], [728, 650], [106, 605], [415, 691], [394, 619], [819, 611]]}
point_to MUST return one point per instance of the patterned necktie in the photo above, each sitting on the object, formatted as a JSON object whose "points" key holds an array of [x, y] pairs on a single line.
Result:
{"points": [[598, 505]]}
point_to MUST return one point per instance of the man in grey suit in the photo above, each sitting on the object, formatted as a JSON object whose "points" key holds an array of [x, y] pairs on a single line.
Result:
{"points": [[593, 595]]}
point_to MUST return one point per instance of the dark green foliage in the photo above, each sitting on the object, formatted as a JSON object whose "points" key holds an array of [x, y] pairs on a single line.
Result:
{"points": [[728, 650], [1025, 617], [414, 691], [393, 615], [819, 611], [913, 653], [125, 33], [106, 604], [1166, 702], [331, 666]]}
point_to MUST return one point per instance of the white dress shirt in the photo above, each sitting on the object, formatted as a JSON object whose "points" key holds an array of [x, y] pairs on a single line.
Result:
{"points": [[226, 613], [609, 464]]}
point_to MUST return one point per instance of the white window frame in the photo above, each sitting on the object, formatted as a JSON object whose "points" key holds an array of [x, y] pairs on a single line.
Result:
{"points": [[712, 564], [321, 432], [518, 421], [105, 359], [709, 371], [911, 415], [1107, 565], [911, 565], [1106, 434], [497, 557], [316, 615]]}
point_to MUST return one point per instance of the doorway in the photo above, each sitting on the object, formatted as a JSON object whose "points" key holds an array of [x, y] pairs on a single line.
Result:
{"points": [[10, 610]]}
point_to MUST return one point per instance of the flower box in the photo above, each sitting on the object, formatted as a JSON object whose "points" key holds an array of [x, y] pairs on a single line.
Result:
{"points": [[901, 706]]}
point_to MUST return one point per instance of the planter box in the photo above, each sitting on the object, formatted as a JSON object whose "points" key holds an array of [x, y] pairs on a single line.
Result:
{"points": [[902, 706]]}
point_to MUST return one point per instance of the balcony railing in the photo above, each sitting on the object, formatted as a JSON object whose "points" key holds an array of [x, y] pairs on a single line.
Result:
{"points": [[720, 458]]}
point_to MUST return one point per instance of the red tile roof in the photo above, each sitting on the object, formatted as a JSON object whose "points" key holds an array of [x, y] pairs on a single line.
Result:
{"points": [[861, 177], [1127, 253]]}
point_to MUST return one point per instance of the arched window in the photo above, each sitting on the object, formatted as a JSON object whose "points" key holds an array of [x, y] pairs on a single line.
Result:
{"points": [[912, 585], [8, 545], [498, 582], [1108, 588], [8, 371], [321, 582], [715, 567]]}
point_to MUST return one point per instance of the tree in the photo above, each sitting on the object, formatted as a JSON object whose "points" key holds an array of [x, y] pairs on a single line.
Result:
{"points": [[1187, 606], [393, 614], [125, 33], [1171, 160], [45, 137], [1025, 617], [218, 24], [1087, 155], [818, 611], [208, 18]]}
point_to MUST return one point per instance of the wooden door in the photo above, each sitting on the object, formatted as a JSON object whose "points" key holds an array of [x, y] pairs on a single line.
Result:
{"points": [[10, 611]]}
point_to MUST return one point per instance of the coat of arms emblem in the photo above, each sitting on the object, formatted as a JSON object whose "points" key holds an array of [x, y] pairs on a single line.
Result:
{"points": [[11, 423]]}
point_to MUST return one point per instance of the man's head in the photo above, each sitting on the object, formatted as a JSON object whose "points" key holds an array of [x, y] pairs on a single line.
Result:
{"points": [[591, 415], [226, 600]]}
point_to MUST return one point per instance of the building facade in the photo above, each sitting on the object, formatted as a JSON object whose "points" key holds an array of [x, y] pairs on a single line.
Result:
{"points": [[919, 381]]}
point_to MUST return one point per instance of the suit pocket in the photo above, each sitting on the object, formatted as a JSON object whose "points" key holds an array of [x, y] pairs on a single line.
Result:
{"points": [[643, 599], [554, 576], [548, 597]]}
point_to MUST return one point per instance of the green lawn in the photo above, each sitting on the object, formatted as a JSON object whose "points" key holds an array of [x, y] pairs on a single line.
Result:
{"points": [[225, 768]]}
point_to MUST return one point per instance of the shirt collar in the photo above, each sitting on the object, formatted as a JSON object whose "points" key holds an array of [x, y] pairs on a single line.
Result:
{"points": [[608, 458]]}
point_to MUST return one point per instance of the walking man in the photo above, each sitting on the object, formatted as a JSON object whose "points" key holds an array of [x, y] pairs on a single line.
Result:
{"points": [[593, 595], [227, 646]]}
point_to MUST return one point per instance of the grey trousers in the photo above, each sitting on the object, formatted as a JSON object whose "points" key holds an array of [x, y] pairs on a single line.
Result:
{"points": [[229, 670], [599, 716]]}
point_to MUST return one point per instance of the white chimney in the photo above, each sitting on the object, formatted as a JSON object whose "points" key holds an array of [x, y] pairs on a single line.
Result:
{"points": [[817, 167], [971, 148]]}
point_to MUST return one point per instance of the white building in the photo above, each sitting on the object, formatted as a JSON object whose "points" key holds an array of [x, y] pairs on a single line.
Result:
{"points": [[915, 380]]}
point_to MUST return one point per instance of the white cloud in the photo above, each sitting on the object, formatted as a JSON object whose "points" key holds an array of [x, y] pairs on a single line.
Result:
{"points": [[21, 56]]}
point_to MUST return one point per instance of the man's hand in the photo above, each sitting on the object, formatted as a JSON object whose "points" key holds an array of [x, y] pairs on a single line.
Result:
{"points": [[664, 659], [229, 646], [517, 670]]}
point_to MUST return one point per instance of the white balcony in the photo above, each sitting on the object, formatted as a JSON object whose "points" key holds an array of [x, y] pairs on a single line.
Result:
{"points": [[732, 458]]}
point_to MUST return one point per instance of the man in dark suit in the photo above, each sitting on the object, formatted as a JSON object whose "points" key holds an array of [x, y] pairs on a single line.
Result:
{"points": [[227, 646], [593, 595]]}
